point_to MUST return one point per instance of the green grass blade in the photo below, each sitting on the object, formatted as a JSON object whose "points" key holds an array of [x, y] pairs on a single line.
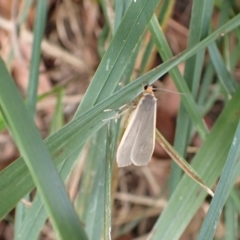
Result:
{"points": [[235, 199], [209, 103], [199, 26], [227, 180], [223, 74], [235, 55], [95, 210], [36, 216], [230, 219], [119, 52], [120, 9], [208, 163], [25, 9], [57, 121], [179, 81], [38, 160], [111, 149], [87, 183], [2, 123], [39, 28], [189, 103], [163, 17], [207, 80], [20, 212]]}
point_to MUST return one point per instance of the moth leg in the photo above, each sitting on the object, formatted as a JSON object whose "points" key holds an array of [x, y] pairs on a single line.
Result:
{"points": [[119, 112]]}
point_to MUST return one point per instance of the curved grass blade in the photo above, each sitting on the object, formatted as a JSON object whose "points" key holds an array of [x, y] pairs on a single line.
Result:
{"points": [[183, 164]]}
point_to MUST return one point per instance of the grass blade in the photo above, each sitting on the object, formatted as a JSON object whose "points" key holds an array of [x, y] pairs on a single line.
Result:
{"points": [[199, 26], [183, 164], [179, 81], [38, 160], [208, 162], [229, 175], [39, 28], [220, 67]]}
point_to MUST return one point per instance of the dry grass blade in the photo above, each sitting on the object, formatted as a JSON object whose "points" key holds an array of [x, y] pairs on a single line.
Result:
{"points": [[181, 162]]}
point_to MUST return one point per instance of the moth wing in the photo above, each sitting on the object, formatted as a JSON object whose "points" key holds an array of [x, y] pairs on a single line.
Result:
{"points": [[144, 143], [128, 139]]}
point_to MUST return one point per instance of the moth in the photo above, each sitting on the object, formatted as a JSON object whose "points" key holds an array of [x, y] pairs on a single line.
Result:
{"points": [[138, 141]]}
